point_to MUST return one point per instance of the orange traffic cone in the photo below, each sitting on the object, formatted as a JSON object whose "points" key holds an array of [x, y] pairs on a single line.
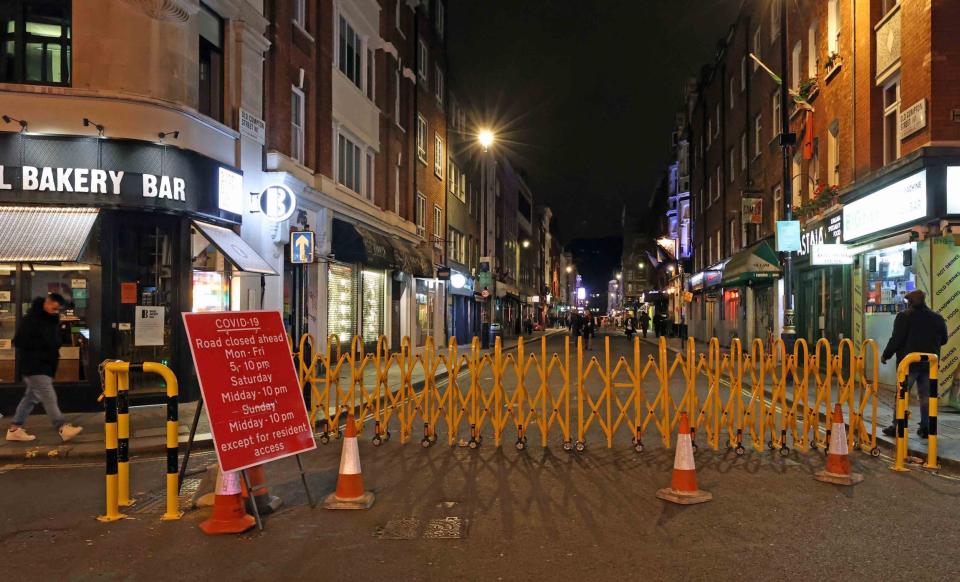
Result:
{"points": [[838, 460], [349, 493], [228, 513], [266, 503], [683, 486]]}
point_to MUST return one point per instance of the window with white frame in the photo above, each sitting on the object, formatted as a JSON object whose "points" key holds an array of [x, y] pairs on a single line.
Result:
{"points": [[833, 27], [437, 225], [439, 19], [350, 54], [891, 121], [716, 193], [743, 74], [438, 84], [775, 107], [300, 13], [813, 54], [396, 98], [423, 57], [795, 66], [733, 235], [833, 153], [421, 138], [777, 203], [733, 87], [757, 135], [350, 159], [421, 215], [743, 152], [757, 44], [776, 9], [438, 155], [733, 164], [297, 108], [371, 63]]}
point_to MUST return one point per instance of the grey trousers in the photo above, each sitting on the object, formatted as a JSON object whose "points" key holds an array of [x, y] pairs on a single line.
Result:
{"points": [[39, 391]]}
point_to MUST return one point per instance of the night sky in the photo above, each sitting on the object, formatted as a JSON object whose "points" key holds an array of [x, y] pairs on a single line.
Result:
{"points": [[583, 92]]}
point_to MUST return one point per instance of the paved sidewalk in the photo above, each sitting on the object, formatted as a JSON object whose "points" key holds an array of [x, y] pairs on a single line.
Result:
{"points": [[948, 419], [147, 423]]}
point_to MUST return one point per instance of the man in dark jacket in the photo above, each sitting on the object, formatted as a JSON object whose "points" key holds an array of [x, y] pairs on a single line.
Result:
{"points": [[38, 350], [916, 329]]}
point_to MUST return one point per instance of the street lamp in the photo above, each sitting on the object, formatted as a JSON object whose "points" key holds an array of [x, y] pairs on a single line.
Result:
{"points": [[569, 269], [485, 137], [640, 266], [525, 243], [619, 276]]}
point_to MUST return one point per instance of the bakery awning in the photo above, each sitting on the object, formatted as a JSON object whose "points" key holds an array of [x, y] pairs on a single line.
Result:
{"points": [[758, 263], [44, 233], [234, 248], [412, 259]]}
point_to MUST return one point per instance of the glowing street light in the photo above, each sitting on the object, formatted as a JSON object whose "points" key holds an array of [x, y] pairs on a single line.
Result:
{"points": [[569, 269], [619, 276], [640, 266], [485, 137], [525, 243]]}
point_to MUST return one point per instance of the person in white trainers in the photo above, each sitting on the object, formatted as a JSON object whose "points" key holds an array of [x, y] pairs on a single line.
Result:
{"points": [[38, 350]]}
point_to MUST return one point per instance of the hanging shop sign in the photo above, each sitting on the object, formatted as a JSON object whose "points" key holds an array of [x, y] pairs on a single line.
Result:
{"points": [[751, 210], [277, 203], [230, 191], [253, 398], [900, 203], [443, 273]]}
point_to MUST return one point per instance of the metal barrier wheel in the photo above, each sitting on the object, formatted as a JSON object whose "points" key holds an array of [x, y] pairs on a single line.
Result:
{"points": [[474, 444], [739, 450], [875, 452], [784, 451], [324, 439], [426, 442], [377, 441], [580, 446], [567, 446], [638, 447], [770, 445]]}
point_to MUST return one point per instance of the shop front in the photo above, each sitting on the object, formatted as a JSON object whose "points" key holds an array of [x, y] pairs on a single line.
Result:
{"points": [[364, 280], [749, 292], [132, 234], [823, 281], [703, 316], [464, 315]]}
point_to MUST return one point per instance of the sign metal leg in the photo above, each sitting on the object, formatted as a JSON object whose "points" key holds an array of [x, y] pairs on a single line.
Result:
{"points": [[186, 453], [306, 488], [256, 512]]}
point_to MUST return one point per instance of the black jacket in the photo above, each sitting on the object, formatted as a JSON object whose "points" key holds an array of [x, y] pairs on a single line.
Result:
{"points": [[38, 342], [917, 329]]}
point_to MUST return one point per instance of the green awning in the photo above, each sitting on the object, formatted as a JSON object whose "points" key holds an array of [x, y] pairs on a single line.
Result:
{"points": [[756, 264]]}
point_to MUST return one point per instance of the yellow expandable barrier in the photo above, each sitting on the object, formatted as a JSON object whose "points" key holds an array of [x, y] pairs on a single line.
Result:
{"points": [[903, 399], [116, 376], [744, 396]]}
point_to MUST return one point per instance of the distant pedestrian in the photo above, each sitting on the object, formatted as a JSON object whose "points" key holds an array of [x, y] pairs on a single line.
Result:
{"points": [[916, 329], [644, 322], [628, 327], [576, 326], [589, 329], [38, 349]]}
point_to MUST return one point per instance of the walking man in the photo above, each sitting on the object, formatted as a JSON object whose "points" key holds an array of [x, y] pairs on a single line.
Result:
{"points": [[916, 329], [644, 322], [38, 349]]}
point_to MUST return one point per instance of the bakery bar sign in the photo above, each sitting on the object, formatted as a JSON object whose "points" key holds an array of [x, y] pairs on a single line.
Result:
{"points": [[91, 181]]}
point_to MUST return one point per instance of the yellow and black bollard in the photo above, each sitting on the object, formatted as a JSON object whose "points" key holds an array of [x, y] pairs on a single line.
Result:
{"points": [[123, 434], [173, 444], [932, 416], [111, 370], [903, 399]]}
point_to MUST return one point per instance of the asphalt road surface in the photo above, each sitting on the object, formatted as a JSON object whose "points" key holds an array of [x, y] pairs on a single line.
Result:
{"points": [[496, 513]]}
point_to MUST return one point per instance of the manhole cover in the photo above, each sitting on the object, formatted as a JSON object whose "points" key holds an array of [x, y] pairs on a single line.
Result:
{"points": [[399, 529], [452, 528], [155, 501]]}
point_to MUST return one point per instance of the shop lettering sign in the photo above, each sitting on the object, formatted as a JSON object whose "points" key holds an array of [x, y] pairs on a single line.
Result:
{"points": [[827, 231], [902, 202], [91, 181]]}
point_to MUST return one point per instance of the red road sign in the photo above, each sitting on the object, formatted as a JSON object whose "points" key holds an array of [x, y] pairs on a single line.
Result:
{"points": [[249, 386]]}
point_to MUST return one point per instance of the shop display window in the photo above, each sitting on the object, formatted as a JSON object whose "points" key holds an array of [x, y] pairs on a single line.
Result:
{"points": [[426, 302], [372, 306], [889, 276], [340, 304], [211, 275]]}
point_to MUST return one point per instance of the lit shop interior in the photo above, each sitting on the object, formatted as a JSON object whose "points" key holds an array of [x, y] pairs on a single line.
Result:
{"points": [[888, 275]]}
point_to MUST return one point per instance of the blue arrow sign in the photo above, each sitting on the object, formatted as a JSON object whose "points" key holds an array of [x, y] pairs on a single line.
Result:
{"points": [[301, 246]]}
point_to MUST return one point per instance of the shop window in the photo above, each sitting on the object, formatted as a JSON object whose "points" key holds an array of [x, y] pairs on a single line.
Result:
{"points": [[731, 305], [211, 64], [35, 42], [372, 285], [426, 306], [211, 275], [889, 275], [341, 311]]}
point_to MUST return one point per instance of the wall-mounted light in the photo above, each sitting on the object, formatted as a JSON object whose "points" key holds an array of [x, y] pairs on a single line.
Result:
{"points": [[21, 122], [165, 134], [525, 243], [88, 123]]}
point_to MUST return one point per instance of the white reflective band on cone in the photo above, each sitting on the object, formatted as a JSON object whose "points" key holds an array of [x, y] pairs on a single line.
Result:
{"points": [[350, 457], [838, 440], [684, 457], [228, 483]]}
